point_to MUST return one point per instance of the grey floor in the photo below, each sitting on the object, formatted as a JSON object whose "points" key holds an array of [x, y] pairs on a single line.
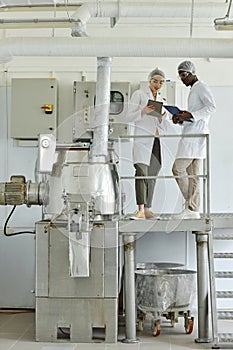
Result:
{"points": [[17, 332]]}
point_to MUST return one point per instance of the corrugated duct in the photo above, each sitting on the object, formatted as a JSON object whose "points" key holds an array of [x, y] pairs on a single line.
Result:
{"points": [[117, 47], [132, 9], [155, 9]]}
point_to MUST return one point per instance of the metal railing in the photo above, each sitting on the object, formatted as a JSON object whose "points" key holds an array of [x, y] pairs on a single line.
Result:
{"points": [[205, 169]]}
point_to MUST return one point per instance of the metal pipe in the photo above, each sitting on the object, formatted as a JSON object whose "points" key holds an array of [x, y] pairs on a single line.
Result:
{"points": [[39, 23], [205, 194], [102, 103], [202, 287], [208, 174], [129, 288]]}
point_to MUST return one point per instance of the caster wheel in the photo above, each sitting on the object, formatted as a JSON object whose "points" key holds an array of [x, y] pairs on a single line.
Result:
{"points": [[156, 329], [189, 326]]}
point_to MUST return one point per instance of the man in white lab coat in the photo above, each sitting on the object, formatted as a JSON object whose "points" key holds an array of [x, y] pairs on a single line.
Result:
{"points": [[191, 150], [146, 151]]}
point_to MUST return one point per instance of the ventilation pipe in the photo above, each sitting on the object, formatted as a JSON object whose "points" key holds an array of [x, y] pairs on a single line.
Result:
{"points": [[101, 121], [153, 9], [129, 9], [109, 10], [117, 47], [82, 15]]}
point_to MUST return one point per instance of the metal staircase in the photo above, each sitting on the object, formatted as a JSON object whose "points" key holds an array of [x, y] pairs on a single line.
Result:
{"points": [[221, 316]]}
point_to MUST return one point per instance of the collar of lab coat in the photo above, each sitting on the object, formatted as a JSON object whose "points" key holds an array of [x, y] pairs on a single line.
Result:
{"points": [[148, 92]]}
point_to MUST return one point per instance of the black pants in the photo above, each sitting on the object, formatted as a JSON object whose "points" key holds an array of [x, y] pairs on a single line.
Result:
{"points": [[145, 188]]}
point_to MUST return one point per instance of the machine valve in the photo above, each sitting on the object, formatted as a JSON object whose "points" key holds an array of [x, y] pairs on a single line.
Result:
{"points": [[48, 108]]}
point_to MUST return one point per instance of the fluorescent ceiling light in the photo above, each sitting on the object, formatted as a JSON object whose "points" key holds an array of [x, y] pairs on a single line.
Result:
{"points": [[223, 24]]}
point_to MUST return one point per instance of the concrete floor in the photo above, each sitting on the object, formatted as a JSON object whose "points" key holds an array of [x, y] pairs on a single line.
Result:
{"points": [[17, 332]]}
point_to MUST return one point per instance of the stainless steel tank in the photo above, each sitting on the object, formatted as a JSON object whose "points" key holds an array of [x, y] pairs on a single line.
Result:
{"points": [[158, 290]]}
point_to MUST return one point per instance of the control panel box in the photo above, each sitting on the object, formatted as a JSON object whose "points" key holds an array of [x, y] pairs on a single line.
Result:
{"points": [[33, 107], [84, 109]]}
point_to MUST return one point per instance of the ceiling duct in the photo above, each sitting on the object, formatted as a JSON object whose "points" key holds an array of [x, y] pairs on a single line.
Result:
{"points": [[120, 47], [107, 10], [224, 23], [82, 15]]}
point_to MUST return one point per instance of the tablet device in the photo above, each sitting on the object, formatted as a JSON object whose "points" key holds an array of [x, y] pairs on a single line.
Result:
{"points": [[175, 110], [158, 108]]}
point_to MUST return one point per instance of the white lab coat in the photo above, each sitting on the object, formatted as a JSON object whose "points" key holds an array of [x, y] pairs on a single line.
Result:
{"points": [[143, 125], [201, 104]]}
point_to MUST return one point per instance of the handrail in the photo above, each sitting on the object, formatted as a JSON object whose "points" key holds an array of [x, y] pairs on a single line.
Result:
{"points": [[205, 175]]}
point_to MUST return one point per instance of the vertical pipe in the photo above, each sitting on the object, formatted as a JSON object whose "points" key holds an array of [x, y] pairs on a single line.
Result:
{"points": [[102, 102], [120, 180], [205, 195], [202, 287], [129, 287]]}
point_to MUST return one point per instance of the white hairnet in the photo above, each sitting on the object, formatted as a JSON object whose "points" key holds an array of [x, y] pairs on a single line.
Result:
{"points": [[187, 66], [154, 72]]}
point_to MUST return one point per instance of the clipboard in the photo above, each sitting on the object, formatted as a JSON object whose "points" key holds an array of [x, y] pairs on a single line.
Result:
{"points": [[158, 108]]}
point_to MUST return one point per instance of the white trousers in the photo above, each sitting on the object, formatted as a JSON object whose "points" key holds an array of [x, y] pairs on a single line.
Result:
{"points": [[190, 187]]}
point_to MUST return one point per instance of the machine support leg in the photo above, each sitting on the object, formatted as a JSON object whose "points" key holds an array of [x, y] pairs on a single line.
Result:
{"points": [[129, 288], [202, 287]]}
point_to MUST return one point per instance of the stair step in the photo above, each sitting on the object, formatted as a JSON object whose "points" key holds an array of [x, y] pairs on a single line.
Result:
{"points": [[224, 274], [225, 315], [223, 255], [223, 236], [224, 294], [225, 337]]}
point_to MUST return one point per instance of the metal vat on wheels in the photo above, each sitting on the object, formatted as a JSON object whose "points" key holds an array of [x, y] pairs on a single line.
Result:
{"points": [[165, 292]]}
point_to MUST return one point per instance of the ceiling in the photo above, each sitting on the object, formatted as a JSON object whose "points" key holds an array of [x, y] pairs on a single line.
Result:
{"points": [[114, 18]]}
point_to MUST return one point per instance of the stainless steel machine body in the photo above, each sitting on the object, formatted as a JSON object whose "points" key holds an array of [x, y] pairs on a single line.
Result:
{"points": [[77, 246], [77, 307], [78, 178], [77, 255]]}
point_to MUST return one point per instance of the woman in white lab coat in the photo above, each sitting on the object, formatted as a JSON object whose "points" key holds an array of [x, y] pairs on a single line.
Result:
{"points": [[191, 150], [146, 150]]}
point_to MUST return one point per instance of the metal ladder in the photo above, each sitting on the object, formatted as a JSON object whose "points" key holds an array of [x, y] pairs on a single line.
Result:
{"points": [[220, 340]]}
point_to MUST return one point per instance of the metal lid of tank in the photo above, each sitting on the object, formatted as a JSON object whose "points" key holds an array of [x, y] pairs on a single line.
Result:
{"points": [[157, 265], [160, 272]]}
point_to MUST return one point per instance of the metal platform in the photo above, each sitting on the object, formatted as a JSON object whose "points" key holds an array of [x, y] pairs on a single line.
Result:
{"points": [[165, 224]]}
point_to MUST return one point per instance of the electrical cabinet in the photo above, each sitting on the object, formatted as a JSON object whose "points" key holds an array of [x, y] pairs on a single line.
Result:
{"points": [[84, 103], [33, 107]]}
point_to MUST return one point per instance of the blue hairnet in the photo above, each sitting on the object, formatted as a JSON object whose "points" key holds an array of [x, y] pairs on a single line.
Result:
{"points": [[187, 66], [154, 72]]}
